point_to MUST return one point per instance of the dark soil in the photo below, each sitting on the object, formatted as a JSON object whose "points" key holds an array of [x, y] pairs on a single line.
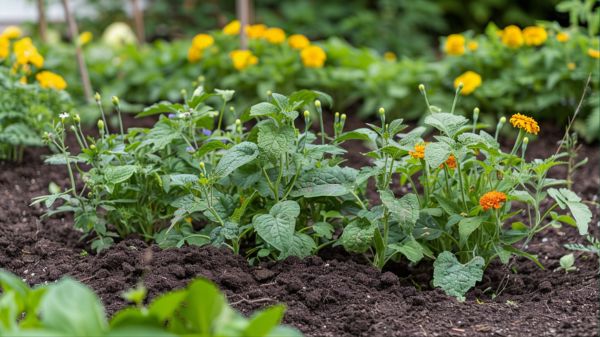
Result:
{"points": [[333, 294]]}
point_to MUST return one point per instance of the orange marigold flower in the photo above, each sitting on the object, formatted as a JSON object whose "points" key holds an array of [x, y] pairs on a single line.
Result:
{"points": [[534, 35], [593, 53], [525, 123], [450, 162], [419, 151], [492, 199]]}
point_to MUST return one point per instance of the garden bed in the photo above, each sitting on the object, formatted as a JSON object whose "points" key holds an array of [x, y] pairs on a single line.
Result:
{"points": [[334, 294]]}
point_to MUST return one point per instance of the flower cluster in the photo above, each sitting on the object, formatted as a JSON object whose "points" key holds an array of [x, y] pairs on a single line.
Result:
{"points": [[456, 45], [199, 43], [242, 59], [513, 37], [419, 152]]}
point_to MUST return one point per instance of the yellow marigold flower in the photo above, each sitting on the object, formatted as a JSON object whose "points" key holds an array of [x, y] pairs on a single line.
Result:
{"points": [[37, 60], [534, 35], [313, 57], [26, 52], [450, 162], [390, 56], [492, 199], [571, 66], [194, 54], [242, 59], [512, 36], [455, 44], [298, 41], [594, 53], [12, 32], [419, 151], [525, 123], [232, 28], [4, 47], [470, 81], [85, 38], [256, 31], [562, 37], [51, 80], [275, 35], [473, 45], [202, 41]]}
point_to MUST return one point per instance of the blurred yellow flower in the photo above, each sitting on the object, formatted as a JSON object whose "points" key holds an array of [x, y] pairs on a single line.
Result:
{"points": [[26, 52], [313, 57], [298, 41], [473, 45], [242, 59], [23, 80], [470, 81], [4, 47], [85, 38], [202, 41], [12, 32], [51, 80], [512, 36], [534, 35], [562, 37], [256, 31], [419, 152], [390, 56], [571, 66], [275, 35], [194, 54], [455, 44], [232, 28], [594, 53]]}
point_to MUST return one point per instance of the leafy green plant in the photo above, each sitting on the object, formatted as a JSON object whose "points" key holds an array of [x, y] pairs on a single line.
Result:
{"points": [[567, 263], [68, 307]]}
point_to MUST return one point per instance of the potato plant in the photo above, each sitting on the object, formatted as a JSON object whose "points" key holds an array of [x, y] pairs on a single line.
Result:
{"points": [[69, 308]]}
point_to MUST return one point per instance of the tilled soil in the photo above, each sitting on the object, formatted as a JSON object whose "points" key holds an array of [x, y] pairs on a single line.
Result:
{"points": [[333, 294]]}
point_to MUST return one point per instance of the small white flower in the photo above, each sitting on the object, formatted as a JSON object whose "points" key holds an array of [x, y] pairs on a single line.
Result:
{"points": [[63, 116]]}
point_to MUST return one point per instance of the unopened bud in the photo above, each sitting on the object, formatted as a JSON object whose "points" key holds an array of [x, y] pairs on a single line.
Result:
{"points": [[503, 120], [93, 147], [115, 100], [306, 114], [76, 118], [202, 166], [476, 112], [269, 93], [100, 125], [317, 103], [343, 117], [238, 122], [381, 111], [337, 115], [525, 140], [421, 87], [97, 97]]}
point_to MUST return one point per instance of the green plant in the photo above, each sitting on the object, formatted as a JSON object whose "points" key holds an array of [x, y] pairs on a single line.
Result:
{"points": [[68, 307], [567, 263]]}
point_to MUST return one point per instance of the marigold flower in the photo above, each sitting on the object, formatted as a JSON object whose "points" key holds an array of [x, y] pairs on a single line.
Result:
{"points": [[562, 37], [390, 56], [256, 31], [313, 57], [472, 45], [593, 53], [194, 54], [232, 28], [455, 44], [450, 162], [534, 35], [512, 36], [242, 59], [298, 41], [571, 66], [4, 47], [275, 35], [525, 123], [419, 151], [470, 81], [85, 38], [51, 80], [202, 41], [26, 53], [492, 199], [12, 32]]}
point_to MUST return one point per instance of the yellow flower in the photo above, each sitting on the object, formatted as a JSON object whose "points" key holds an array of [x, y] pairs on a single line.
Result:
{"points": [[492, 199], [450, 162], [26, 52], [455, 44], [275, 35], [525, 123], [313, 57], [534, 35], [562, 37], [51, 80], [473, 45], [470, 81], [256, 31], [512, 36], [389, 56], [4, 47], [12, 32], [298, 41], [23, 80], [85, 38], [242, 59], [232, 28], [202, 41], [594, 53], [419, 151], [571, 66], [194, 54]]}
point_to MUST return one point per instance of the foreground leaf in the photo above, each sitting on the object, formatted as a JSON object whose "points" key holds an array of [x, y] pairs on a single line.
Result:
{"points": [[454, 277]]}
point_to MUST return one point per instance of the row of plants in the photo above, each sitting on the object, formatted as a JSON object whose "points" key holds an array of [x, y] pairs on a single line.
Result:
{"points": [[278, 189], [69, 308]]}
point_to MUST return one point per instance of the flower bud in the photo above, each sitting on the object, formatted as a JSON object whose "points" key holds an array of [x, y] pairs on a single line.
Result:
{"points": [[421, 87], [97, 97], [343, 117], [337, 115], [503, 120], [317, 103], [183, 92], [306, 114], [115, 100], [526, 140], [202, 166], [476, 113], [238, 122], [381, 111], [460, 86], [269, 93], [73, 128], [76, 118], [92, 147], [232, 109], [100, 125]]}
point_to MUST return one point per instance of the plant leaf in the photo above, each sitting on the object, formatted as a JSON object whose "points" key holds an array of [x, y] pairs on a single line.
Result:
{"points": [[454, 277]]}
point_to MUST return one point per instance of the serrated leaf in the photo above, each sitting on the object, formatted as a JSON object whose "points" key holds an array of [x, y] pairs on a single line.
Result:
{"points": [[411, 249], [331, 181], [277, 228], [454, 277], [447, 123], [263, 109], [274, 140], [404, 210], [436, 154], [119, 174], [235, 157], [357, 236]]}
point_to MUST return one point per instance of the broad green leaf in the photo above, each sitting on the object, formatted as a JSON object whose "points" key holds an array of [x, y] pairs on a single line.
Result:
{"points": [[161, 107], [447, 123], [404, 210], [567, 261], [262, 323], [238, 155], [411, 249], [323, 229], [360, 134], [277, 228], [357, 236], [263, 109], [466, 226], [568, 199], [274, 140], [436, 154], [204, 304], [328, 181], [119, 174], [454, 277]]}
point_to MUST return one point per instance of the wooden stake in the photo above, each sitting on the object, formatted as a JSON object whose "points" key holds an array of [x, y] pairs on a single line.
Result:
{"points": [[42, 24], [74, 32], [243, 13], [138, 17]]}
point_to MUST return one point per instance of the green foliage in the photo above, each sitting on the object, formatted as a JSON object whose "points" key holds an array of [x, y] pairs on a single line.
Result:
{"points": [[454, 277], [69, 308]]}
